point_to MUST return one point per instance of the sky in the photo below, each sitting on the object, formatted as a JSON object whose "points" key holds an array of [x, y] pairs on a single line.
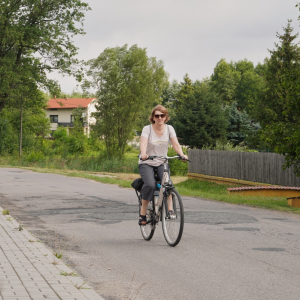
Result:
{"points": [[189, 36]]}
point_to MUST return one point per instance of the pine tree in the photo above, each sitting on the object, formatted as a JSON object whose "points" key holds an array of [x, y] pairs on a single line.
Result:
{"points": [[282, 78], [279, 109], [240, 125]]}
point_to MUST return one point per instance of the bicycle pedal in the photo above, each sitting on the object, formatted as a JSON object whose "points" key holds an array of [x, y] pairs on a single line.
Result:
{"points": [[171, 215]]}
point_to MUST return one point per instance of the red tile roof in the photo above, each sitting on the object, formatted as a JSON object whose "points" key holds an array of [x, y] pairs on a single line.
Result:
{"points": [[69, 102]]}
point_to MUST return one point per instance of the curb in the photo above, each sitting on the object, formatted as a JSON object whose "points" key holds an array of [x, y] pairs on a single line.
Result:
{"points": [[28, 270], [224, 180], [265, 191]]}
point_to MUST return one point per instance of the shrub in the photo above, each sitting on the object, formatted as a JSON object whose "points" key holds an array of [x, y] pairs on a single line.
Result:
{"points": [[77, 144], [177, 167], [60, 134], [228, 146], [35, 157]]}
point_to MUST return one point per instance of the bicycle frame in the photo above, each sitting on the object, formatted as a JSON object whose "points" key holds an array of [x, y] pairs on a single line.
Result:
{"points": [[166, 185]]}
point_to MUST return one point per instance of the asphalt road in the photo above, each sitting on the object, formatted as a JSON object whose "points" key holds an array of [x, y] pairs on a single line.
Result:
{"points": [[226, 252]]}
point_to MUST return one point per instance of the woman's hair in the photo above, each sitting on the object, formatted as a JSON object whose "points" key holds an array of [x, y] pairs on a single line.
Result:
{"points": [[160, 108]]}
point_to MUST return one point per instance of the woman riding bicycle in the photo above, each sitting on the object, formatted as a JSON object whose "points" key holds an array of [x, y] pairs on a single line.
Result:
{"points": [[155, 140]]}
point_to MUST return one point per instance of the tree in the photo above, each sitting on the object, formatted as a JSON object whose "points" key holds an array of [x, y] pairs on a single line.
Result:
{"points": [[225, 80], [281, 80], [128, 83], [250, 86], [238, 82], [169, 99], [240, 125], [279, 109], [75, 94], [199, 120], [169, 93], [35, 124], [79, 119], [36, 39]]}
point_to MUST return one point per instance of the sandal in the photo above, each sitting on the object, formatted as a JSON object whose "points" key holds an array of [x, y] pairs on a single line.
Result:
{"points": [[171, 214], [142, 220]]}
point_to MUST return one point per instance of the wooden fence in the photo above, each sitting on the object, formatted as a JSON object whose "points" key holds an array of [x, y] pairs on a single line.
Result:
{"points": [[250, 166]]}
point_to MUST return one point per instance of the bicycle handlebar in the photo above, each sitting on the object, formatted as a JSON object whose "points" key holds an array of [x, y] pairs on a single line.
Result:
{"points": [[167, 157]]}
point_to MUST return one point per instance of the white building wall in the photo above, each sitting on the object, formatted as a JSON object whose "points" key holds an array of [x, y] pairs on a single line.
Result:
{"points": [[53, 126], [91, 109], [64, 114]]}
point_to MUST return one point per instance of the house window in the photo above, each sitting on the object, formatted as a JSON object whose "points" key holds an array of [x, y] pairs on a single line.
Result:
{"points": [[53, 118], [53, 108]]}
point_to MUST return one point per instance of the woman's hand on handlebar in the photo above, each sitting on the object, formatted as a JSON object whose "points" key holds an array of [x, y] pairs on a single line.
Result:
{"points": [[144, 156], [184, 157]]}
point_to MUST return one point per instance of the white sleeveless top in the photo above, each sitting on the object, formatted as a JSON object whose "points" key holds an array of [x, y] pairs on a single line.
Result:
{"points": [[157, 146]]}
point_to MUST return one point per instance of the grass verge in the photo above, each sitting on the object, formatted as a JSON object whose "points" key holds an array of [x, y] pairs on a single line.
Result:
{"points": [[214, 191], [186, 187]]}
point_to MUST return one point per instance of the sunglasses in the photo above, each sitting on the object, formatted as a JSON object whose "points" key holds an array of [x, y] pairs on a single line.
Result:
{"points": [[159, 116]]}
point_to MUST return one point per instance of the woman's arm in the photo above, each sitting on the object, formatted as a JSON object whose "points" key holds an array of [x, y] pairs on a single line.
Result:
{"points": [[143, 147], [176, 146]]}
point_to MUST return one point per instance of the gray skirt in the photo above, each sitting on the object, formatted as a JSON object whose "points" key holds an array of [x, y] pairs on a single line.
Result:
{"points": [[147, 173]]}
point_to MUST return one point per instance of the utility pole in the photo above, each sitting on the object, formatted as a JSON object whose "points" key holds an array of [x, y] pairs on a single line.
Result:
{"points": [[21, 126]]}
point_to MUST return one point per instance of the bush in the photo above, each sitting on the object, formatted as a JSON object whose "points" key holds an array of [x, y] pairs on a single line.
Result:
{"points": [[228, 146], [35, 157], [31, 129], [60, 134], [177, 167], [77, 144]]}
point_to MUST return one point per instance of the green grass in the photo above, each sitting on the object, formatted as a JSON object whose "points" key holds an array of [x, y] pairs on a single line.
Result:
{"points": [[58, 255], [120, 182], [63, 273], [210, 190], [92, 163], [132, 155]]}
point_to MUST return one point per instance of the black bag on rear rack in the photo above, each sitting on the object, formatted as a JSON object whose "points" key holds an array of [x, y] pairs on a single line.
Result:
{"points": [[137, 184]]}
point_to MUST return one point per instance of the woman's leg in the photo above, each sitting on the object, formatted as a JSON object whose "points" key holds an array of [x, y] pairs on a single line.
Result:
{"points": [[147, 173], [160, 173], [144, 207]]}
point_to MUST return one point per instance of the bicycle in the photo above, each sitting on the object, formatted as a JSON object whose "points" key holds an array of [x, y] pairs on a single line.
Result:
{"points": [[157, 210]]}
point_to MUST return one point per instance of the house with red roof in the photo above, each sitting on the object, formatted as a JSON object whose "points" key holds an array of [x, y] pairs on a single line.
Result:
{"points": [[60, 112]]}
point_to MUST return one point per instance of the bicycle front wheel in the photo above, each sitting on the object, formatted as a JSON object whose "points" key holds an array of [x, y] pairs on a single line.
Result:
{"points": [[173, 225], [148, 229]]}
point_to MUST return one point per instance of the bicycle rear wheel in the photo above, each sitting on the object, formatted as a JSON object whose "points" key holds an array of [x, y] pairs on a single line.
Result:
{"points": [[148, 229], [173, 227]]}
